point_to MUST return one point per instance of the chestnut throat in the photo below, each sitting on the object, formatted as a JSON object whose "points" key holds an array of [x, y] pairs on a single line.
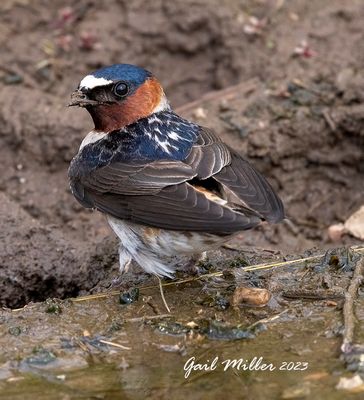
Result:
{"points": [[109, 118]]}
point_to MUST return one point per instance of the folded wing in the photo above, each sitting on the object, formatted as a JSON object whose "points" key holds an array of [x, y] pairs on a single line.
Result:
{"points": [[212, 190]]}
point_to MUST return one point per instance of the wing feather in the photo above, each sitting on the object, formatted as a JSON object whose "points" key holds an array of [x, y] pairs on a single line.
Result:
{"points": [[242, 182]]}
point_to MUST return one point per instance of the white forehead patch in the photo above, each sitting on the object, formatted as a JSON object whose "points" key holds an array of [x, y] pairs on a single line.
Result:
{"points": [[90, 82]]}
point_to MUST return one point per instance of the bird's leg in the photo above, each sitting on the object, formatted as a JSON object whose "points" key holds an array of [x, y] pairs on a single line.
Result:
{"points": [[203, 256], [124, 259], [124, 265]]}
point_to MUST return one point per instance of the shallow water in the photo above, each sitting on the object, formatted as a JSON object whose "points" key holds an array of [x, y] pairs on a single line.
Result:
{"points": [[55, 350]]}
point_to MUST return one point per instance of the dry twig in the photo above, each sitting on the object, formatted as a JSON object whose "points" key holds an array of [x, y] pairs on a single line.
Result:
{"points": [[312, 295], [162, 293], [350, 296], [119, 346], [148, 317], [330, 122], [267, 320]]}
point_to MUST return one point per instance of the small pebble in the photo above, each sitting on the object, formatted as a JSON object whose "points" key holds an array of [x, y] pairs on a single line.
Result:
{"points": [[15, 330], [355, 383], [335, 232], [224, 106], [344, 78], [296, 392], [129, 297], [200, 113], [355, 224], [250, 296]]}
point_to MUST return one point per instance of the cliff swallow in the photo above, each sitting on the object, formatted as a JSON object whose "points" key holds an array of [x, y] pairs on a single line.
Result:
{"points": [[168, 186]]}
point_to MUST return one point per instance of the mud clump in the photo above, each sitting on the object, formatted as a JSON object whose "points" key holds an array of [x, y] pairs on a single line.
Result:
{"points": [[41, 265], [38, 262]]}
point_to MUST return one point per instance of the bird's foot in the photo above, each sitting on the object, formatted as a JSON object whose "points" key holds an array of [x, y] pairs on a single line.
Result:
{"points": [[194, 264]]}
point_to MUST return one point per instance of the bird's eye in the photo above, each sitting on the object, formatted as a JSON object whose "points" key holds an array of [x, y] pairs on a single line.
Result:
{"points": [[121, 89]]}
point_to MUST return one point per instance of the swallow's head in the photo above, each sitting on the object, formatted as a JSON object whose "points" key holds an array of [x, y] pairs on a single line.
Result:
{"points": [[119, 95]]}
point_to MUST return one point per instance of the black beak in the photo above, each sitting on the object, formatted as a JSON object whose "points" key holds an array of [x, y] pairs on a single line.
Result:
{"points": [[80, 98]]}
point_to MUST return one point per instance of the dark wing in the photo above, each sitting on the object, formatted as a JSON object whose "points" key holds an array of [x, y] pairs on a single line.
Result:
{"points": [[177, 207], [244, 185], [137, 178], [178, 194]]}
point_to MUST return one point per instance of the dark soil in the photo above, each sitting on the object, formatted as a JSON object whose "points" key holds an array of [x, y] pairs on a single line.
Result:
{"points": [[298, 118]]}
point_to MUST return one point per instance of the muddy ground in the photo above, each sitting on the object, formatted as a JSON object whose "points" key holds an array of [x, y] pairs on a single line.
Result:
{"points": [[297, 117], [296, 110]]}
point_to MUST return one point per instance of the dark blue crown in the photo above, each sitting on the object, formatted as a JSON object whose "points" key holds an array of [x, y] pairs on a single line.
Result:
{"points": [[124, 72]]}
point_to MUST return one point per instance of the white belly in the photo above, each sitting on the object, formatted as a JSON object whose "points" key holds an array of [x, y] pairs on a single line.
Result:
{"points": [[147, 246]]}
